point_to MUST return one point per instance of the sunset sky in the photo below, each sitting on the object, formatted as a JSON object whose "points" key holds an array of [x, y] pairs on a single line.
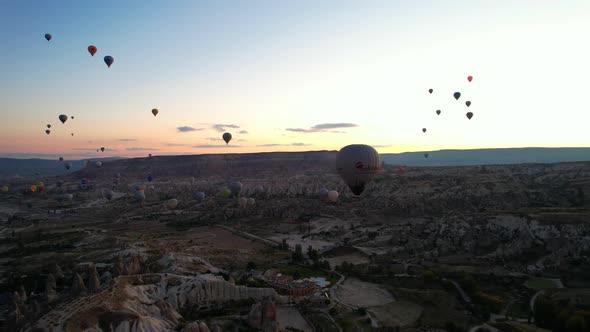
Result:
{"points": [[291, 75]]}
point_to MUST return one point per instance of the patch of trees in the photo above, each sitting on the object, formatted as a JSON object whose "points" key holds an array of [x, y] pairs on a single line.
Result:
{"points": [[560, 316]]}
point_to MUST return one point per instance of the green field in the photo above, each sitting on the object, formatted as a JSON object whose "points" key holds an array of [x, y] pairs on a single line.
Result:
{"points": [[518, 310], [540, 283]]}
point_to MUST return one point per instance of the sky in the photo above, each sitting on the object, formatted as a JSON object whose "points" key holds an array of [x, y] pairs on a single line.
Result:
{"points": [[291, 75]]}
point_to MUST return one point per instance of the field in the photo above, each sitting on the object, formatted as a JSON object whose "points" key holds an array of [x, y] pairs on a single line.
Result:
{"points": [[541, 283]]}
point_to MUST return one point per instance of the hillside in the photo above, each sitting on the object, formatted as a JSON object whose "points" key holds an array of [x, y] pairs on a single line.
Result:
{"points": [[10, 167]]}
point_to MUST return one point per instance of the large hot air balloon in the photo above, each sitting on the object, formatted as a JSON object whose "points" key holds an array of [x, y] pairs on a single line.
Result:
{"points": [[236, 188], [469, 78], [423, 130], [109, 60], [242, 201], [68, 165], [437, 112], [48, 125], [332, 195], [47, 131], [48, 37], [63, 118], [468, 103], [357, 164], [155, 111], [99, 164], [102, 149], [250, 201], [199, 196], [430, 90], [469, 115], [324, 194], [457, 95], [171, 204], [92, 50], [226, 137]]}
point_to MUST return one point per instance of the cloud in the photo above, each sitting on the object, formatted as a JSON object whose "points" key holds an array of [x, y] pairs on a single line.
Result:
{"points": [[126, 139], [174, 144], [300, 144], [242, 140], [186, 129], [92, 149], [270, 145], [243, 132], [223, 127], [139, 149], [323, 127], [213, 146], [274, 144], [214, 139], [381, 146]]}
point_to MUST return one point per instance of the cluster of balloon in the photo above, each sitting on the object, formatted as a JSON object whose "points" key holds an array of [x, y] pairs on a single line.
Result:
{"points": [[171, 204], [243, 202], [200, 196], [357, 164], [226, 137]]}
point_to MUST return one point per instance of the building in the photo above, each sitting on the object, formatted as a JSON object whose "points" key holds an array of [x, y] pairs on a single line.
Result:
{"points": [[285, 285]]}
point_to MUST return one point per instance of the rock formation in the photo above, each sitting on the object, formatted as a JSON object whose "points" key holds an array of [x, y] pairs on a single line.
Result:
{"points": [[56, 270], [23, 293], [78, 287], [263, 316], [93, 280], [50, 287]]}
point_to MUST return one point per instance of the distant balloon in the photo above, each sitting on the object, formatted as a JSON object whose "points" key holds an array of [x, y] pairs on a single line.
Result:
{"points": [[250, 201], [437, 112], [259, 190], [72, 117], [102, 149], [226, 193], [430, 90], [469, 115], [469, 78], [468, 103], [324, 194], [171, 204], [72, 134], [401, 170], [47, 131], [151, 188], [33, 188], [333, 195], [61, 158], [86, 162], [48, 37], [155, 111], [4, 189], [92, 50], [357, 164], [226, 137], [150, 178], [99, 164], [96, 150], [149, 155], [426, 155], [48, 125], [68, 165], [63, 118], [236, 188], [109, 60], [457, 95], [423, 130], [200, 196], [139, 196], [242, 201]]}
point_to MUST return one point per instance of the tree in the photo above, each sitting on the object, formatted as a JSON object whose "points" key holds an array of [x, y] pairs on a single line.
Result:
{"points": [[251, 266], [545, 313], [576, 324], [298, 254]]}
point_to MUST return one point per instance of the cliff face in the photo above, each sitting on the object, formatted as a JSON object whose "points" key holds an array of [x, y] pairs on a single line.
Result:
{"points": [[147, 303]]}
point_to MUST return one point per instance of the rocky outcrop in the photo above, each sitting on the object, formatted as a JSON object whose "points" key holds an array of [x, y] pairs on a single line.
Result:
{"points": [[78, 287], [50, 289], [93, 280], [198, 327], [22, 293], [56, 270], [263, 316]]}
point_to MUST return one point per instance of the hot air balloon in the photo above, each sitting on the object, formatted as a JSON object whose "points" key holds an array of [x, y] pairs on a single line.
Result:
{"points": [[150, 178], [242, 201], [401, 170], [468, 103], [357, 164], [92, 50], [250, 201], [99, 164], [430, 90], [139, 196], [199, 196], [469, 115], [469, 78], [109, 60], [437, 112], [61, 158], [426, 155], [72, 134], [151, 188], [48, 125], [171, 204], [63, 118], [96, 150], [226, 193], [102, 149], [324, 194], [259, 190], [4, 189], [33, 188], [47, 131], [226, 137], [236, 188], [72, 117], [108, 194], [48, 37], [457, 95], [150, 155], [423, 130], [155, 111], [332, 195], [68, 165]]}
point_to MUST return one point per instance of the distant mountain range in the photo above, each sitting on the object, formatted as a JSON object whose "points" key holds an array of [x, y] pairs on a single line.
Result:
{"points": [[487, 156], [45, 167]]}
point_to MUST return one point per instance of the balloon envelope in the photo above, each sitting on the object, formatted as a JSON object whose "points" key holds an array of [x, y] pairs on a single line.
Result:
{"points": [[48, 37], [324, 194], [4, 189], [426, 155], [226, 137], [139, 195], [469, 78], [172, 204], [109, 60], [250, 201], [430, 90], [468, 103], [150, 178], [226, 193], [200, 196], [48, 125], [423, 130], [242, 201], [63, 118], [457, 95], [68, 165], [92, 50], [236, 188], [98, 163], [469, 115], [437, 112], [332, 195], [47, 131], [155, 111], [357, 164]]}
